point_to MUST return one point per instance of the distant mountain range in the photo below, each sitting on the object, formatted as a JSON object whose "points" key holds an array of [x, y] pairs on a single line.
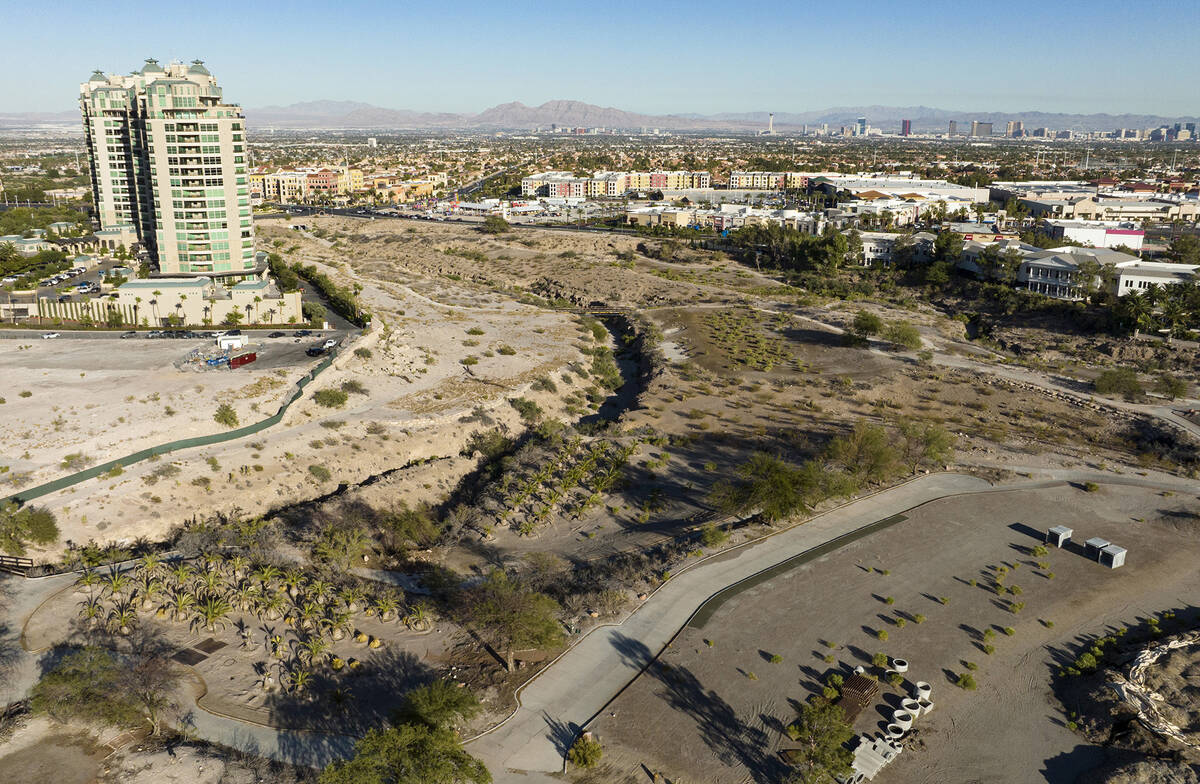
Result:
{"points": [[348, 115]]}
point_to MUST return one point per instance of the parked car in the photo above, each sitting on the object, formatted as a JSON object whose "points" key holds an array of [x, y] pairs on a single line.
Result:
{"points": [[218, 334], [328, 344], [234, 332], [302, 333], [130, 334], [154, 333], [277, 335], [314, 351], [50, 335]]}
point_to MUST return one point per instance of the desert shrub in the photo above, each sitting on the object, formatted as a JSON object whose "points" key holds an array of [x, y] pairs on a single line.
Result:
{"points": [[867, 323], [712, 535], [530, 411], [904, 335], [165, 471], [20, 526], [362, 353], [545, 384], [967, 681], [354, 387], [1119, 381], [585, 752], [506, 350], [226, 416], [76, 461], [1090, 487], [330, 398], [320, 473]]}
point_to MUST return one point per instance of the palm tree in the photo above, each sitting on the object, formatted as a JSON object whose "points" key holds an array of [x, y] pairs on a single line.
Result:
{"points": [[320, 590], [149, 587], [386, 605], [299, 680], [312, 648], [116, 582], [271, 315], [352, 596], [182, 602], [92, 610], [154, 304], [89, 580], [418, 617], [293, 578], [272, 606], [244, 595], [339, 624], [210, 582], [238, 565], [181, 573], [266, 574], [213, 611], [211, 562], [122, 619], [310, 615], [149, 564]]}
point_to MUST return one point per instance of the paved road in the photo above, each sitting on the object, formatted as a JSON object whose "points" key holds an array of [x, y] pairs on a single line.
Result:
{"points": [[581, 682], [577, 686]]}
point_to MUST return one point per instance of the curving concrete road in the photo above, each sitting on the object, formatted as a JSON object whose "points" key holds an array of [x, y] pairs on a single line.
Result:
{"points": [[585, 678]]}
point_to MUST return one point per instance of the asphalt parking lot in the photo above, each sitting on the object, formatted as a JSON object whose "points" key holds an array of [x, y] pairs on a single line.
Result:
{"points": [[78, 350]]}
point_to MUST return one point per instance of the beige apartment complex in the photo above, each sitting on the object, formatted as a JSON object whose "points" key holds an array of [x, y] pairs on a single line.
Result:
{"points": [[168, 156], [562, 184]]}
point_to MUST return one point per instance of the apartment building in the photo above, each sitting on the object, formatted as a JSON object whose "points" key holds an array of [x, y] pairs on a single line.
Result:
{"points": [[168, 156], [767, 181], [562, 184]]}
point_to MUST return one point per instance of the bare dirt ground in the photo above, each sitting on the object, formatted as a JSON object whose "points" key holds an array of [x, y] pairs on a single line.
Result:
{"points": [[41, 752], [714, 709]]}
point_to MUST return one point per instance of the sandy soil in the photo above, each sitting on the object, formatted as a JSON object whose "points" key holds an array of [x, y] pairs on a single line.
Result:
{"points": [[42, 752], [714, 712], [417, 391]]}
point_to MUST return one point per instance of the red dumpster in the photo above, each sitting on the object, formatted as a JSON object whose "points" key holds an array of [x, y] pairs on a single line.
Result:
{"points": [[243, 359]]}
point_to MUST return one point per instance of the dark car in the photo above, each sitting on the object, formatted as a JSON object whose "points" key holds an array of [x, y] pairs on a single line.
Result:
{"points": [[315, 351], [130, 334], [154, 333], [277, 335], [302, 333], [234, 332]]}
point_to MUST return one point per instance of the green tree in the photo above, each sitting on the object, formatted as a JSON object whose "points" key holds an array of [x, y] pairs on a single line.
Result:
{"points": [[1171, 386], [1119, 381], [769, 484], [512, 617], [821, 731], [494, 224], [867, 323], [948, 247], [408, 754], [866, 452], [440, 704], [21, 526], [903, 335], [924, 442]]}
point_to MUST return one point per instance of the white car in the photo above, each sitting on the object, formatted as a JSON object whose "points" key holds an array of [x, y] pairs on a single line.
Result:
{"points": [[220, 333], [329, 344], [49, 335]]}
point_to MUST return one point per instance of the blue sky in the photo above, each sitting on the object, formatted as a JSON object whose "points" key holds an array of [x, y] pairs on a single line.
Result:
{"points": [[654, 56]]}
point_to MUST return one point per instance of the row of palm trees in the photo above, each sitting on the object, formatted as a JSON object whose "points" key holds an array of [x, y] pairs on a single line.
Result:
{"points": [[211, 589]]}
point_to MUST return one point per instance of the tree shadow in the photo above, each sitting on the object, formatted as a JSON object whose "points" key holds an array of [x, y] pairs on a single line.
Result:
{"points": [[562, 733], [730, 738]]}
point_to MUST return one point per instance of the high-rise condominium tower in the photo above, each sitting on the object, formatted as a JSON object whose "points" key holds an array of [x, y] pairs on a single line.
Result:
{"points": [[168, 156]]}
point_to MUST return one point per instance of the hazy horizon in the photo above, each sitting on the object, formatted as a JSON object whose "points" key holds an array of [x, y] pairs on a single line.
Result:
{"points": [[669, 58]]}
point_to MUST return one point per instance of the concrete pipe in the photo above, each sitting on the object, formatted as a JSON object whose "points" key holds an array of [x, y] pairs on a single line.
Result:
{"points": [[926, 706], [912, 706], [894, 731], [921, 690], [900, 665], [904, 719]]}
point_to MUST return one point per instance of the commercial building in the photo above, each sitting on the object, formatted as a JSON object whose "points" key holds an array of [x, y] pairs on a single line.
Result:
{"points": [[981, 129], [906, 127], [1098, 234], [952, 130], [1015, 129], [168, 156]]}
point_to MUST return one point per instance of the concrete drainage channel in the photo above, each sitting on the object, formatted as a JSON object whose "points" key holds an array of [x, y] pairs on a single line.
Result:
{"points": [[706, 610]]}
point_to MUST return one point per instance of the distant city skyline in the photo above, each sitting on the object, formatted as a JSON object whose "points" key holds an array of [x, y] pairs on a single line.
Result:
{"points": [[783, 57]]}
